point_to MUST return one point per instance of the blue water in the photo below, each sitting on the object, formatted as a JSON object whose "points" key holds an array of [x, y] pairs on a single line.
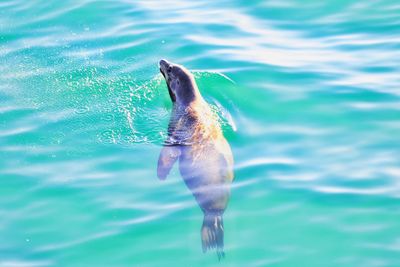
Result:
{"points": [[308, 96]]}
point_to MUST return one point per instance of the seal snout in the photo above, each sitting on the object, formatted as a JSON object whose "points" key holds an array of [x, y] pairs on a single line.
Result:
{"points": [[164, 64], [165, 68]]}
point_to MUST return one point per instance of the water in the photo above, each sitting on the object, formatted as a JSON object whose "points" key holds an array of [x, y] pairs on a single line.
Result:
{"points": [[308, 95]]}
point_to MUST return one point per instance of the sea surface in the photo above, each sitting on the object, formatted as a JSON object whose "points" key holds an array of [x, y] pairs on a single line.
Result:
{"points": [[308, 96]]}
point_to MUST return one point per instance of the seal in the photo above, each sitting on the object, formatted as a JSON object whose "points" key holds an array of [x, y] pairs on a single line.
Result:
{"points": [[205, 157]]}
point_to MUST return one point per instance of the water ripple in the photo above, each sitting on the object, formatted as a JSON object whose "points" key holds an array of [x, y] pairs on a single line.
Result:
{"points": [[307, 95]]}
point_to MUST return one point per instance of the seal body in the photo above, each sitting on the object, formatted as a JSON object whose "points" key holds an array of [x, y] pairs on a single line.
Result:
{"points": [[205, 159]]}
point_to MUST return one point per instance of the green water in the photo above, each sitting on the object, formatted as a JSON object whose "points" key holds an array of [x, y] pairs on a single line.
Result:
{"points": [[308, 95]]}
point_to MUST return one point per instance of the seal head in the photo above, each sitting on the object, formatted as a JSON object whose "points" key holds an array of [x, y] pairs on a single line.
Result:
{"points": [[182, 87]]}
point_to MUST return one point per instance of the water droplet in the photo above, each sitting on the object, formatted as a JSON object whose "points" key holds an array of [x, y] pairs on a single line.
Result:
{"points": [[82, 110], [109, 137], [109, 117]]}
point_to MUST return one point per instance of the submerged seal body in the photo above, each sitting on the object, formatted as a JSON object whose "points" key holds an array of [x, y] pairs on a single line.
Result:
{"points": [[205, 158]]}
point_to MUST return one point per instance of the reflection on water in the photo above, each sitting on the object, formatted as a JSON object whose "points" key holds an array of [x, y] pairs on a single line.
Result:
{"points": [[307, 95]]}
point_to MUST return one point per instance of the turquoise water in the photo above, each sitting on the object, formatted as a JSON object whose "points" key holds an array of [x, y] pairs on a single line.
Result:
{"points": [[308, 95]]}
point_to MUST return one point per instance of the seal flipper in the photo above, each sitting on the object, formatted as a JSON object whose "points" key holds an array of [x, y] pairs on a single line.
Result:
{"points": [[212, 234], [167, 158]]}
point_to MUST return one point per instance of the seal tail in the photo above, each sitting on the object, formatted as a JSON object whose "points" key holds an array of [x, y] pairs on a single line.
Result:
{"points": [[212, 234]]}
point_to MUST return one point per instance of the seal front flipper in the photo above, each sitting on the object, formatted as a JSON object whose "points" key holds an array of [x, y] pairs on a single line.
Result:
{"points": [[168, 156]]}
